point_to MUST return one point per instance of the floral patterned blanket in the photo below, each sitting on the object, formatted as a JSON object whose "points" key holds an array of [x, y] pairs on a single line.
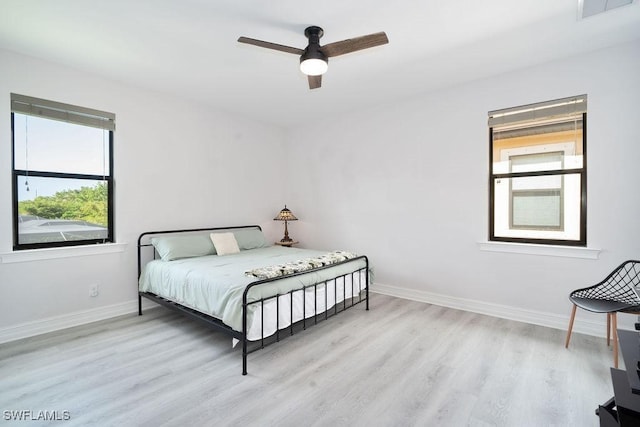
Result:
{"points": [[301, 265]]}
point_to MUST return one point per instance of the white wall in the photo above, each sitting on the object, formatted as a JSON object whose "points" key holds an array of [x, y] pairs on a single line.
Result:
{"points": [[407, 184], [404, 183], [177, 165]]}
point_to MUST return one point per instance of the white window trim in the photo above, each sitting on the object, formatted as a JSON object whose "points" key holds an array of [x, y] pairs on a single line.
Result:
{"points": [[61, 252], [535, 249]]}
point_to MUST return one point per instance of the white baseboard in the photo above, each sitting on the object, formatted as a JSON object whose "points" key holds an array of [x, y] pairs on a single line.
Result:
{"points": [[64, 321], [551, 320]]}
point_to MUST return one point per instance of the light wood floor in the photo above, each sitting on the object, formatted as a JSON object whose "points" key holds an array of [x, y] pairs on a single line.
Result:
{"points": [[403, 363]]}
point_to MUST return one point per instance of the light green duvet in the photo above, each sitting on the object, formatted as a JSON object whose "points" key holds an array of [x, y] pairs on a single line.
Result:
{"points": [[214, 284]]}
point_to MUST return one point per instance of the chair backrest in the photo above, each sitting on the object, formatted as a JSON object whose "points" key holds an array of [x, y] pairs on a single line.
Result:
{"points": [[620, 285]]}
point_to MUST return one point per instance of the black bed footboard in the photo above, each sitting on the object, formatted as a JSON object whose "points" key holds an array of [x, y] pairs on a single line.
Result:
{"points": [[329, 297], [289, 312]]}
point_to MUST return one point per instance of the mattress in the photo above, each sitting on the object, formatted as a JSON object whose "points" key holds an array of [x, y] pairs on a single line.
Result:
{"points": [[214, 285]]}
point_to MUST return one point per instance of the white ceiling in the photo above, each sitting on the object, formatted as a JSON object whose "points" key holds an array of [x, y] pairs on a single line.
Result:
{"points": [[189, 47]]}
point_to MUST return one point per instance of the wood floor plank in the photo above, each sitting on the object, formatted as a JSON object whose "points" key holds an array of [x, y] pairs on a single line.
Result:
{"points": [[401, 363]]}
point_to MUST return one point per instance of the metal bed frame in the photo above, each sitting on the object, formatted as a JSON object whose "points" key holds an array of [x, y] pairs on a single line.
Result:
{"points": [[251, 346]]}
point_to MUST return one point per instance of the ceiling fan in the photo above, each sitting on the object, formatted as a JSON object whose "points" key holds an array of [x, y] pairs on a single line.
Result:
{"points": [[314, 59]]}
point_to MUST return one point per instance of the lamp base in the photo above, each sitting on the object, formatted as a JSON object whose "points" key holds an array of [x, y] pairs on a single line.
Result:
{"points": [[287, 244], [286, 238]]}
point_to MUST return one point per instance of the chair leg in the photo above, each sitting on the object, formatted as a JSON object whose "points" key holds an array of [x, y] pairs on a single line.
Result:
{"points": [[608, 328], [614, 325], [573, 315]]}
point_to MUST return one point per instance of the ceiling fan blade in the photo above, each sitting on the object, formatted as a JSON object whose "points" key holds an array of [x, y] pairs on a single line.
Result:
{"points": [[352, 45], [273, 46], [315, 81]]}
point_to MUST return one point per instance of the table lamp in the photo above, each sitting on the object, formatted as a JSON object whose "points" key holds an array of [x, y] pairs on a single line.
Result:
{"points": [[285, 215]]}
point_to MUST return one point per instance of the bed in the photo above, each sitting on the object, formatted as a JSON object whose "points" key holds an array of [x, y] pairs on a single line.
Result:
{"points": [[231, 279]]}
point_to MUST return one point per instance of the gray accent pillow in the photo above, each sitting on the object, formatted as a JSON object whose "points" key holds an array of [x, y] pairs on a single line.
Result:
{"points": [[176, 247], [250, 238]]}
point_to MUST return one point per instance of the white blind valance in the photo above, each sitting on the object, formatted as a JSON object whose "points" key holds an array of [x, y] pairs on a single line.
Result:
{"points": [[549, 110], [63, 112]]}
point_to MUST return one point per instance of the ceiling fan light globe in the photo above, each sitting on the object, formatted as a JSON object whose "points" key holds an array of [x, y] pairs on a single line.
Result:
{"points": [[314, 67]]}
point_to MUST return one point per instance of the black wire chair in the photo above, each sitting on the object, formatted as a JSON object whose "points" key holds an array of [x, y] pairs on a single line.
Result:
{"points": [[616, 293]]}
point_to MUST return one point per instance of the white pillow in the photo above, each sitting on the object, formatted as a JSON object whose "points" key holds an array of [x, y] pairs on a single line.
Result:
{"points": [[225, 243]]}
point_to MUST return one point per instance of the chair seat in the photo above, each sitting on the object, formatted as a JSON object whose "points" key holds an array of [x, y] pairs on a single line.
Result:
{"points": [[602, 306]]}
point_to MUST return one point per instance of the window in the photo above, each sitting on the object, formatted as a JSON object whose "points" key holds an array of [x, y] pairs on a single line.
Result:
{"points": [[538, 183], [62, 174]]}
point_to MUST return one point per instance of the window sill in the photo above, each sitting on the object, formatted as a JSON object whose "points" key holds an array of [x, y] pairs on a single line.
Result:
{"points": [[548, 250], [55, 253]]}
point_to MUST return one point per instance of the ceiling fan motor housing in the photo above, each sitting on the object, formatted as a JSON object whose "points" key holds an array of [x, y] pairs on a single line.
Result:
{"points": [[313, 50]]}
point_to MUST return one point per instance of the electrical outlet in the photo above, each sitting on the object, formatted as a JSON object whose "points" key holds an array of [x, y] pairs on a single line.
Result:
{"points": [[94, 290]]}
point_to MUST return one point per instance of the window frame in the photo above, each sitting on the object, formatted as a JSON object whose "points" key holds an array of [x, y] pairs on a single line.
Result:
{"points": [[582, 172], [52, 110]]}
